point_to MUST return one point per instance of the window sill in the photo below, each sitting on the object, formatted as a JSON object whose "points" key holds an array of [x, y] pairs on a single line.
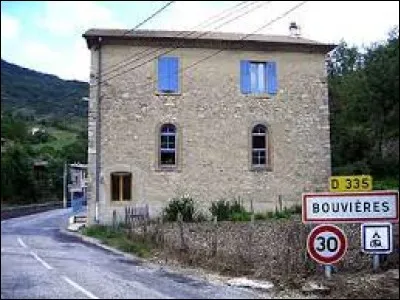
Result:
{"points": [[260, 96], [120, 203], [261, 169], [168, 169], [167, 94]]}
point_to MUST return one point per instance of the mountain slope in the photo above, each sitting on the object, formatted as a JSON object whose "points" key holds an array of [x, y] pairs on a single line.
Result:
{"points": [[42, 95]]}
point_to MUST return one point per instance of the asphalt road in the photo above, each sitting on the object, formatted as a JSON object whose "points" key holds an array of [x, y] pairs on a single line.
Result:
{"points": [[37, 261]]}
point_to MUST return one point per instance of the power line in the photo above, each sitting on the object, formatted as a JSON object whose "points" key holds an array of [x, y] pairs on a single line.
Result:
{"points": [[208, 21], [150, 50], [221, 50], [177, 46], [248, 35], [149, 18]]}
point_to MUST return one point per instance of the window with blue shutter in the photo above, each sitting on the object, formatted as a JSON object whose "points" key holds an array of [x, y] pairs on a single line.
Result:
{"points": [[272, 78], [258, 77], [168, 74], [245, 87]]}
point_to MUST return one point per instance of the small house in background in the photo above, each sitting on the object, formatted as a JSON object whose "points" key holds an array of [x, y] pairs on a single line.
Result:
{"points": [[78, 183], [36, 129], [3, 144], [39, 170], [43, 180]]}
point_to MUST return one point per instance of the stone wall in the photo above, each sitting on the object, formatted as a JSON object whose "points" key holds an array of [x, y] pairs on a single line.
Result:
{"points": [[214, 122], [266, 249], [23, 210]]}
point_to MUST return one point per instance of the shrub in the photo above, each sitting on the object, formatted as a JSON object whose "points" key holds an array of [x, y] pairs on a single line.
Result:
{"points": [[183, 205], [237, 207], [260, 216], [227, 211], [240, 216], [221, 209], [200, 217], [386, 184]]}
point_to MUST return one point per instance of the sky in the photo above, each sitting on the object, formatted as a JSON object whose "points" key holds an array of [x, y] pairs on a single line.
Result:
{"points": [[47, 35]]}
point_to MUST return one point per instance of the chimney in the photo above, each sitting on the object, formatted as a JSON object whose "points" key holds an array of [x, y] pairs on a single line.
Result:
{"points": [[294, 30]]}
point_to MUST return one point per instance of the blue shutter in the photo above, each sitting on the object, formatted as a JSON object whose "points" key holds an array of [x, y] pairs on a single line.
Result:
{"points": [[272, 78], [174, 74], [163, 82], [245, 84]]}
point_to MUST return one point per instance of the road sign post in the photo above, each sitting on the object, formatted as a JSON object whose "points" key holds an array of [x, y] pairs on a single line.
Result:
{"points": [[327, 244], [328, 271], [376, 239]]}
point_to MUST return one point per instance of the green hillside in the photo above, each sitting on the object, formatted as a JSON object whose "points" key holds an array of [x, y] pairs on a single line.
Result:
{"points": [[32, 93]]}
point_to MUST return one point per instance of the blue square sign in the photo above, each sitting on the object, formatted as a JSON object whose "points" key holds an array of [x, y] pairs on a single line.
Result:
{"points": [[377, 238]]}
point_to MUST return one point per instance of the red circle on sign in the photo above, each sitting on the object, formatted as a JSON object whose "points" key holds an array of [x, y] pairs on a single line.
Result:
{"points": [[339, 235]]}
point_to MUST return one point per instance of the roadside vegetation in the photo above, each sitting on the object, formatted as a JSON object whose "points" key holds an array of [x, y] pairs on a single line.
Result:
{"points": [[119, 238]]}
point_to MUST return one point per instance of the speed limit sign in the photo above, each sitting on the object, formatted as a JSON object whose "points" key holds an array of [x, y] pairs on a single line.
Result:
{"points": [[326, 244]]}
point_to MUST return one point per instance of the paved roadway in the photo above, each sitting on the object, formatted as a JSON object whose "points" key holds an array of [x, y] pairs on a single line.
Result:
{"points": [[37, 261]]}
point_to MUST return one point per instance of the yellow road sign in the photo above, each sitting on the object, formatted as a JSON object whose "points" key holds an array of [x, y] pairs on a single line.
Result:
{"points": [[350, 183]]}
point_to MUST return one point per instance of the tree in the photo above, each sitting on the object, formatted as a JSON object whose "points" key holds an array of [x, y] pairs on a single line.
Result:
{"points": [[17, 179], [364, 106]]}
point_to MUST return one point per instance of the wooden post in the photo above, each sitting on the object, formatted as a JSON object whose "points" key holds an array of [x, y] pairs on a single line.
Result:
{"points": [[144, 220], [280, 202], [180, 223], [65, 193], [251, 238], [131, 223], [114, 219], [214, 248], [161, 232]]}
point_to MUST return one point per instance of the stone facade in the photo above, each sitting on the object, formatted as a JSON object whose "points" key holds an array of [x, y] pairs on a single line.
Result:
{"points": [[214, 121]]}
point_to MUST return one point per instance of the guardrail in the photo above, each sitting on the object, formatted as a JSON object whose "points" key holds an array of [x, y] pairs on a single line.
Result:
{"points": [[23, 210]]}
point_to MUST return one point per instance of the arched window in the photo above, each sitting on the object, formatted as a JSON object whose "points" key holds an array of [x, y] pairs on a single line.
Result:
{"points": [[259, 148], [168, 145]]}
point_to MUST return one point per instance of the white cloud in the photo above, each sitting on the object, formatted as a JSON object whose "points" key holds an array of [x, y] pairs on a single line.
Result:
{"points": [[68, 63], [64, 51], [9, 27], [65, 18], [38, 51], [356, 24], [77, 66], [184, 15], [325, 21]]}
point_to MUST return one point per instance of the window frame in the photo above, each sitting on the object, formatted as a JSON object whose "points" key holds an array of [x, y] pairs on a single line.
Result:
{"points": [[250, 75], [268, 147], [168, 167], [256, 90], [121, 188]]}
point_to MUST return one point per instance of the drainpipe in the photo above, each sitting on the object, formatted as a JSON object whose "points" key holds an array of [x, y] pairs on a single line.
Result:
{"points": [[98, 133]]}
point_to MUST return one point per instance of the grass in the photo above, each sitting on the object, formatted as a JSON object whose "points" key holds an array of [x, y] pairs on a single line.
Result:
{"points": [[386, 184], [119, 239], [63, 138]]}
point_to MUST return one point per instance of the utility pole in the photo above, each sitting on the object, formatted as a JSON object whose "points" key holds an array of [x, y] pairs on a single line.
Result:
{"points": [[65, 186], [98, 132]]}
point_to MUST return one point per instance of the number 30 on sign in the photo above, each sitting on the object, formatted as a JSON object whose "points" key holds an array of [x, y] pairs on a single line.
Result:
{"points": [[326, 244], [350, 183]]}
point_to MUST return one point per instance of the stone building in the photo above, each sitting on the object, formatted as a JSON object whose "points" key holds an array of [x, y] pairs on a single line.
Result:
{"points": [[210, 115]]}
